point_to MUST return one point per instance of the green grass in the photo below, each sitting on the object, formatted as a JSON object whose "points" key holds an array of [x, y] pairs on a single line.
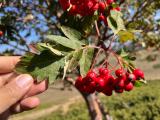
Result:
{"points": [[141, 104]]}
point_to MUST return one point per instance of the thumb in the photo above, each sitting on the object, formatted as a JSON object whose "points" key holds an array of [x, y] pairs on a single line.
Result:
{"points": [[14, 91]]}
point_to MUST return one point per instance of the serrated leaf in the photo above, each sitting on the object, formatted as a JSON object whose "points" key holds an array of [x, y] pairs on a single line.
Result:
{"points": [[65, 41], [115, 21], [49, 47], [125, 36], [71, 33], [73, 63], [41, 67], [86, 60]]}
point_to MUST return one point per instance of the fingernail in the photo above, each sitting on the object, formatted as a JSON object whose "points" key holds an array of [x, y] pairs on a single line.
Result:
{"points": [[24, 81]]}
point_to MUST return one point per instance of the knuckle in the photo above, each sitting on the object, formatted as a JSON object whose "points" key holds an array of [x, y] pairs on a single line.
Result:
{"points": [[12, 93]]}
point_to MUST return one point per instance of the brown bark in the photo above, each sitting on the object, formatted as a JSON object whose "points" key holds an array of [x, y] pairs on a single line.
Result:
{"points": [[93, 106]]}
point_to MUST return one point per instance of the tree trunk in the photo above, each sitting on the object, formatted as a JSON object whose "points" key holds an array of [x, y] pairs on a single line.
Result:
{"points": [[93, 106]]}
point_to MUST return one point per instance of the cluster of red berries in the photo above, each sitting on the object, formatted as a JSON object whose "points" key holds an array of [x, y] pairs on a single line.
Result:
{"points": [[106, 83], [1, 33], [87, 7]]}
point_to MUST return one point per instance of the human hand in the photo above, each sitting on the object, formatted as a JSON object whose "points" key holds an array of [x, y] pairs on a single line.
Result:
{"points": [[17, 92]]}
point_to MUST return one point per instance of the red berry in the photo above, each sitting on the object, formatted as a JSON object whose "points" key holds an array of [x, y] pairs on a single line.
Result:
{"points": [[120, 72], [65, 4], [129, 87], [108, 91], [138, 73], [110, 1], [101, 18], [102, 6], [111, 81], [119, 90], [1, 33], [100, 84], [103, 72], [131, 77], [91, 74], [121, 83], [118, 8], [93, 84], [79, 82], [73, 10], [89, 89]]}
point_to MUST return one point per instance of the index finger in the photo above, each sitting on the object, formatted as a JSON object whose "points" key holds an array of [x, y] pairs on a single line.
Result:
{"points": [[7, 63]]}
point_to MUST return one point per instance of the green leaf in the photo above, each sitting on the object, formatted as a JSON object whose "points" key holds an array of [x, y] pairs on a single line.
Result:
{"points": [[122, 53], [65, 41], [73, 63], [138, 84], [115, 5], [87, 23], [41, 67], [125, 35], [115, 21], [71, 33], [65, 69], [86, 60], [47, 46]]}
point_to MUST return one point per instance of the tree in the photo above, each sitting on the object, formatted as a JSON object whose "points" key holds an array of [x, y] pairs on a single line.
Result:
{"points": [[96, 32]]}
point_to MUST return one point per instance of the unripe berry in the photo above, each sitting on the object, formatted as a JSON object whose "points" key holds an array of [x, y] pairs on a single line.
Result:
{"points": [[138, 73], [1, 33], [129, 86]]}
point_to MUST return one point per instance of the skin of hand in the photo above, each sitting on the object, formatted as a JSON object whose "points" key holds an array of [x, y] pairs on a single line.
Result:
{"points": [[17, 91]]}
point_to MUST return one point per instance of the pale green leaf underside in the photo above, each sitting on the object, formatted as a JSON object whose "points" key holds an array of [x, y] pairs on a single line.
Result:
{"points": [[71, 33], [73, 44], [74, 61], [115, 21], [49, 47], [86, 61]]}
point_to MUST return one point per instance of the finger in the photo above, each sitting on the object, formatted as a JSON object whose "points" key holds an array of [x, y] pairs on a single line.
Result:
{"points": [[26, 104], [37, 88], [14, 91], [29, 103], [5, 78], [7, 64]]}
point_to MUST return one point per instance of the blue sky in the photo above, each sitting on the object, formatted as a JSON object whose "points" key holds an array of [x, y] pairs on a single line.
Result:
{"points": [[34, 37]]}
